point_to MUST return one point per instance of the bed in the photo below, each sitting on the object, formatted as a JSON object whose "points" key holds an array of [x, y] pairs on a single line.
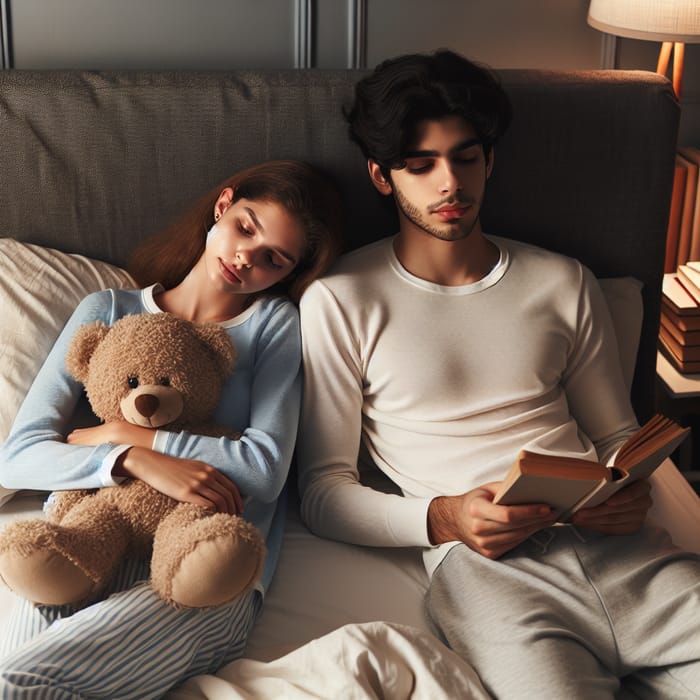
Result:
{"points": [[92, 162]]}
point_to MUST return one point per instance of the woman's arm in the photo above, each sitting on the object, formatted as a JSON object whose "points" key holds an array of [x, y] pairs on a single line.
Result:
{"points": [[185, 480], [35, 454], [259, 461]]}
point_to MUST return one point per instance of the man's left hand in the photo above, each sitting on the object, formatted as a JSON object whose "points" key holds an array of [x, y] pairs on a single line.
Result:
{"points": [[623, 513]]}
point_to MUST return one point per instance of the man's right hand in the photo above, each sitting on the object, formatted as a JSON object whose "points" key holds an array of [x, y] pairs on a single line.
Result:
{"points": [[487, 528]]}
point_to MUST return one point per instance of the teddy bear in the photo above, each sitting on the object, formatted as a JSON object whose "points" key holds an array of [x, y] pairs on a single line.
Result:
{"points": [[157, 371]]}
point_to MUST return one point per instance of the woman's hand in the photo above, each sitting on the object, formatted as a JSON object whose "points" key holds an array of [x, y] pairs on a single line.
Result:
{"points": [[623, 513], [118, 432], [185, 480], [487, 528]]}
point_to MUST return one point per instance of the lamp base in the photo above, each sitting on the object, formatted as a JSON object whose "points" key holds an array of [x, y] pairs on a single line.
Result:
{"points": [[678, 50]]}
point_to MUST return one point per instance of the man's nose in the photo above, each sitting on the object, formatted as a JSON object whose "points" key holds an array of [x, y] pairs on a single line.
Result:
{"points": [[449, 182]]}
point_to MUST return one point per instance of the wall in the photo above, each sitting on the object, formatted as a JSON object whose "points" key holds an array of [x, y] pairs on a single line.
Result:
{"points": [[213, 34]]}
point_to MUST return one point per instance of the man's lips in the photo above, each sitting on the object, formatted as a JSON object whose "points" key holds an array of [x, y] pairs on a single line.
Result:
{"points": [[451, 211]]}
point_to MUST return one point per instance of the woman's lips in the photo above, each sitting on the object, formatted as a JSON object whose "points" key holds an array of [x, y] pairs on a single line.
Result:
{"points": [[229, 273]]}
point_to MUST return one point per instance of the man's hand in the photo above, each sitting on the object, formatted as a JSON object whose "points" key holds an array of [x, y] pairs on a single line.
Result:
{"points": [[185, 480], [487, 528], [117, 432], [623, 513]]}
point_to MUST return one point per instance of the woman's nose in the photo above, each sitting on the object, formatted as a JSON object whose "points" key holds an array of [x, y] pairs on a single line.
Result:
{"points": [[243, 258]]}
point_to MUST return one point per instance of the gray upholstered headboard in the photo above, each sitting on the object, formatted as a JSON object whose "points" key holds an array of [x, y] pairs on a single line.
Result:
{"points": [[92, 162]]}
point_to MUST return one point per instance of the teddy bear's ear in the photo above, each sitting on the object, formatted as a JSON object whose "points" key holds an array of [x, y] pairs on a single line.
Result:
{"points": [[82, 347], [217, 340]]}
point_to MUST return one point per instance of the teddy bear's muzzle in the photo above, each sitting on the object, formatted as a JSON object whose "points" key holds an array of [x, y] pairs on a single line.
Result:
{"points": [[152, 405]]}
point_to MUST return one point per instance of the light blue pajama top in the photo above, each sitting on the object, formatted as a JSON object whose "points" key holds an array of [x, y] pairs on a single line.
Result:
{"points": [[261, 400]]}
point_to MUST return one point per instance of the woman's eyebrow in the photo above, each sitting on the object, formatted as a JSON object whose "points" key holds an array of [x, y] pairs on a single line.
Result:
{"points": [[255, 220], [259, 227]]}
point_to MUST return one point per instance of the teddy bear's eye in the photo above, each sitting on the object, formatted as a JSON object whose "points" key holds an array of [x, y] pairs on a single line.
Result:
{"points": [[133, 382], [165, 381]]}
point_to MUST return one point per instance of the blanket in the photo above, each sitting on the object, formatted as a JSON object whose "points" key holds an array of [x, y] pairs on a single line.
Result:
{"points": [[365, 661]]}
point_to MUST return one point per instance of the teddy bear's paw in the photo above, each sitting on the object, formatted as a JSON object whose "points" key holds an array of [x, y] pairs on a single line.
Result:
{"points": [[33, 566], [214, 560]]}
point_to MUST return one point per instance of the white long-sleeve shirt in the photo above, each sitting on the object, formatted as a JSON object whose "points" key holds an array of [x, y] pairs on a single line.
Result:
{"points": [[443, 386]]}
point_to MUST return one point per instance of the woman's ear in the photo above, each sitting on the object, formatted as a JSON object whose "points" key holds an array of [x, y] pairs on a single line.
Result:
{"points": [[382, 184], [223, 202]]}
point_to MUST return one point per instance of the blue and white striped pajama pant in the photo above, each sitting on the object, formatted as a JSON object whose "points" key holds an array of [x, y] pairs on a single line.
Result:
{"points": [[129, 645]]}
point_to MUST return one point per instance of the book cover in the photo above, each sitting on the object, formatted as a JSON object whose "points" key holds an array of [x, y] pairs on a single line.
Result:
{"points": [[569, 483], [684, 367], [677, 297], [685, 353], [677, 328], [692, 154], [673, 231], [689, 277], [683, 323], [688, 208]]}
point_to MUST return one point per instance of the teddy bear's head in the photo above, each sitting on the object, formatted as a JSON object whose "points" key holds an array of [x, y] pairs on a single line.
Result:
{"points": [[153, 370]]}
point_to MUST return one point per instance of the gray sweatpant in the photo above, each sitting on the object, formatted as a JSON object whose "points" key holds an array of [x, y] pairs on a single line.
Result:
{"points": [[569, 614]]}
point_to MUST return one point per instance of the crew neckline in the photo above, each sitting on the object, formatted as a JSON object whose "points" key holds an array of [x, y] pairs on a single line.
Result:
{"points": [[490, 279], [150, 304]]}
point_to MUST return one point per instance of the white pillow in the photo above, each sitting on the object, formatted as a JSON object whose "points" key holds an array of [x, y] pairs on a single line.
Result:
{"points": [[39, 289], [624, 298]]}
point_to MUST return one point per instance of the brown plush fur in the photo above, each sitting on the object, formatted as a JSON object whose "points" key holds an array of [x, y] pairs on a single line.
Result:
{"points": [[156, 371]]}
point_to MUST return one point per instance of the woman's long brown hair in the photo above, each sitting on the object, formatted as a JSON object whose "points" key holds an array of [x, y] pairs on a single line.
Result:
{"points": [[306, 193]]}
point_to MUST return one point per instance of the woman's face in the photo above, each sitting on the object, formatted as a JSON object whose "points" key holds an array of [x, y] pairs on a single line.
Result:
{"points": [[253, 245]]}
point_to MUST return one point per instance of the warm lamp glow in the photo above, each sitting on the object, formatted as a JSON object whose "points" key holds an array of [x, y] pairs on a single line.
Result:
{"points": [[674, 22], [655, 20]]}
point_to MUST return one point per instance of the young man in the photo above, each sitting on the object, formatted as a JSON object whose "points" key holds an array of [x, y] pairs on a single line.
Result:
{"points": [[442, 352]]}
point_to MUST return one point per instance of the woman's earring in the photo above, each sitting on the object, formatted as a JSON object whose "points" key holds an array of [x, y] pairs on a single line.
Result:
{"points": [[217, 216]]}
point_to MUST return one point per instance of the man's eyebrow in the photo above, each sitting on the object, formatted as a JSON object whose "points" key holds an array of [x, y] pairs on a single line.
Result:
{"points": [[461, 146]]}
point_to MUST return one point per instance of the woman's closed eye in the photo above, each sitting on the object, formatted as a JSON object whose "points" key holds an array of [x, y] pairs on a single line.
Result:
{"points": [[245, 230]]}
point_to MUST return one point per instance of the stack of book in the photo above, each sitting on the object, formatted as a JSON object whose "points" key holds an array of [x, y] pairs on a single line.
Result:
{"points": [[679, 332]]}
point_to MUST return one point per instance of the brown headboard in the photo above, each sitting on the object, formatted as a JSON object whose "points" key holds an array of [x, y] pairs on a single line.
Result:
{"points": [[92, 162]]}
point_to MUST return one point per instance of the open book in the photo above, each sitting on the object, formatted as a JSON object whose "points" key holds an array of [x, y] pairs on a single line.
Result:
{"points": [[570, 483]]}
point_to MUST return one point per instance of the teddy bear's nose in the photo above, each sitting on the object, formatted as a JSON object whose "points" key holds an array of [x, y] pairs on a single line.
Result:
{"points": [[146, 404]]}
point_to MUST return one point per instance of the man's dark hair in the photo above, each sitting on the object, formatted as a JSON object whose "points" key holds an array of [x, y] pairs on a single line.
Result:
{"points": [[403, 91]]}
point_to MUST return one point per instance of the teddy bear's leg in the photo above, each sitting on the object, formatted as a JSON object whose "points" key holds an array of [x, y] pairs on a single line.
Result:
{"points": [[202, 559], [70, 562]]}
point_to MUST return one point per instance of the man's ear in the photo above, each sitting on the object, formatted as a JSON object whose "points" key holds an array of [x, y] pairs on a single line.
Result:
{"points": [[378, 180], [489, 163]]}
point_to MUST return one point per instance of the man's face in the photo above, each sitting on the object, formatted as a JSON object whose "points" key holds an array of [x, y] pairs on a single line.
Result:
{"points": [[441, 189]]}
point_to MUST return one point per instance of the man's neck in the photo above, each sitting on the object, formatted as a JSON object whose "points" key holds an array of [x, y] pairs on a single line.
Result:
{"points": [[447, 263]]}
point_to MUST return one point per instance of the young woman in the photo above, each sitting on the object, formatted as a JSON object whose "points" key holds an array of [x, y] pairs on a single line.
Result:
{"points": [[239, 257]]}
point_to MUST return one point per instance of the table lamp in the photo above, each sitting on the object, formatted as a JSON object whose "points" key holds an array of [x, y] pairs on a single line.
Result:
{"points": [[673, 22]]}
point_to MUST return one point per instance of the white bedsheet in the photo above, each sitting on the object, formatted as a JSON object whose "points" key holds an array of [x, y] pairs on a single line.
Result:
{"points": [[356, 662], [344, 622]]}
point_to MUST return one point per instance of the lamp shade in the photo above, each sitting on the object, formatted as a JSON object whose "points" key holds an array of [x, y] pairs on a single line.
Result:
{"points": [[654, 20]]}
